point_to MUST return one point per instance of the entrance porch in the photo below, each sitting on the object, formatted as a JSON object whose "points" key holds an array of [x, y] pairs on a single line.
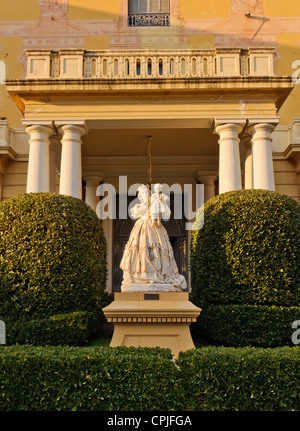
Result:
{"points": [[210, 115]]}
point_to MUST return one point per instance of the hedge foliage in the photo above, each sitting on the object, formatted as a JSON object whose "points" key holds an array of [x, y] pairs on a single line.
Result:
{"points": [[70, 329], [247, 254], [210, 378], [249, 325], [241, 379], [83, 378], [52, 257]]}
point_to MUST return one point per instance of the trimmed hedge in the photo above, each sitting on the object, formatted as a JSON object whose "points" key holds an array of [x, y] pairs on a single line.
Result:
{"points": [[52, 257], [246, 255], [93, 378], [249, 325], [243, 379], [82, 378], [62, 329]]}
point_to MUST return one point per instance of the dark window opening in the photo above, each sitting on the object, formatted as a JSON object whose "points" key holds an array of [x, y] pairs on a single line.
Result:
{"points": [[143, 13]]}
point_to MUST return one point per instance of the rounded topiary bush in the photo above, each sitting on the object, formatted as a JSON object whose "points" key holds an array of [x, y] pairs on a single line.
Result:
{"points": [[245, 267], [52, 257]]}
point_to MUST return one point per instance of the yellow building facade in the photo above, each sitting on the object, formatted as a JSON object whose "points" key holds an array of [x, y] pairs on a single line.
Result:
{"points": [[84, 84]]}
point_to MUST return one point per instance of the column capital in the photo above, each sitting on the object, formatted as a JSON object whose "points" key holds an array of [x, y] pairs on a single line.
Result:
{"points": [[93, 179], [230, 127], [79, 125], [48, 125], [230, 120], [35, 122], [261, 127], [263, 120], [207, 179]]}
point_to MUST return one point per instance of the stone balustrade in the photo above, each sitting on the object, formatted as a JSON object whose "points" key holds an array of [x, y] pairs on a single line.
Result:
{"points": [[149, 64]]}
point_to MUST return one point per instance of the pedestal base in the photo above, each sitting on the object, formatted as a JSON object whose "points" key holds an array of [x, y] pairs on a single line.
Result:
{"points": [[148, 287], [159, 319]]}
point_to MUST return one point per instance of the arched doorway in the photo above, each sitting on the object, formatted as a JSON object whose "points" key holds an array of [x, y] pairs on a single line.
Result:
{"points": [[178, 238]]}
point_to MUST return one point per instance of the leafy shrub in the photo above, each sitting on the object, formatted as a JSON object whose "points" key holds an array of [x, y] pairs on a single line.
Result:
{"points": [[244, 379], [245, 325], [85, 378], [247, 254], [52, 257], [62, 329], [96, 378]]}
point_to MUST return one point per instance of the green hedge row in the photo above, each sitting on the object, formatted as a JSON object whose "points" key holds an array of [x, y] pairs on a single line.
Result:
{"points": [[210, 378], [235, 379], [248, 325], [86, 378], [69, 329]]}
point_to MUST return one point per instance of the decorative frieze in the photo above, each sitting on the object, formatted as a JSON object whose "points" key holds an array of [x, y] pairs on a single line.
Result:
{"points": [[151, 319]]}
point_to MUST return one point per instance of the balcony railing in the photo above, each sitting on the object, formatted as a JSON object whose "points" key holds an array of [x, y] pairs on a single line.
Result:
{"points": [[128, 65], [149, 19]]}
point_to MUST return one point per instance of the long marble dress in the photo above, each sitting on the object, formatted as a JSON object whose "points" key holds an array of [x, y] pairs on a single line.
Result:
{"points": [[148, 262]]}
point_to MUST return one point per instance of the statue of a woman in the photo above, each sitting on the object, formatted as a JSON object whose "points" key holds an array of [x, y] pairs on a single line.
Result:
{"points": [[148, 262]]}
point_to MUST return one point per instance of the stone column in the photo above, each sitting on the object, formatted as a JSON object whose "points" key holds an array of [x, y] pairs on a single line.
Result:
{"points": [[91, 184], [70, 169], [209, 186], [229, 157], [38, 178], [263, 172]]}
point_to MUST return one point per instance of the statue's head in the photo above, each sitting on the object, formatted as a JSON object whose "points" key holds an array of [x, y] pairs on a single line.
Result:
{"points": [[158, 188], [143, 193]]}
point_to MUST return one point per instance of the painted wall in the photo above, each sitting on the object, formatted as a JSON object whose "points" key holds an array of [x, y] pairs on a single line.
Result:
{"points": [[98, 24], [102, 24]]}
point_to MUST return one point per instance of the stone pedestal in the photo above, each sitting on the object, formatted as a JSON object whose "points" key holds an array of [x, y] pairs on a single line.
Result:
{"points": [[160, 319]]}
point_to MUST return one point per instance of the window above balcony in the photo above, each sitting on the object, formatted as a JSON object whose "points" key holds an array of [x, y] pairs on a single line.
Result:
{"points": [[146, 13]]}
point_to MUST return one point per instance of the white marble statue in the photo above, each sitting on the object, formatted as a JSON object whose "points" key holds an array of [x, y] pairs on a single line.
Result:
{"points": [[148, 262]]}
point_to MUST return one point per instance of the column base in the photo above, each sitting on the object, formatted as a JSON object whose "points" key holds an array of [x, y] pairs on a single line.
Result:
{"points": [[159, 319]]}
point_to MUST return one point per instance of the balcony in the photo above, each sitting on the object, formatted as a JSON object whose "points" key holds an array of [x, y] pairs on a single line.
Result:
{"points": [[150, 64], [149, 20]]}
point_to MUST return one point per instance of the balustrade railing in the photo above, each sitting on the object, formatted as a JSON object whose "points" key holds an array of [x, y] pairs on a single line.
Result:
{"points": [[148, 19], [110, 65]]}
